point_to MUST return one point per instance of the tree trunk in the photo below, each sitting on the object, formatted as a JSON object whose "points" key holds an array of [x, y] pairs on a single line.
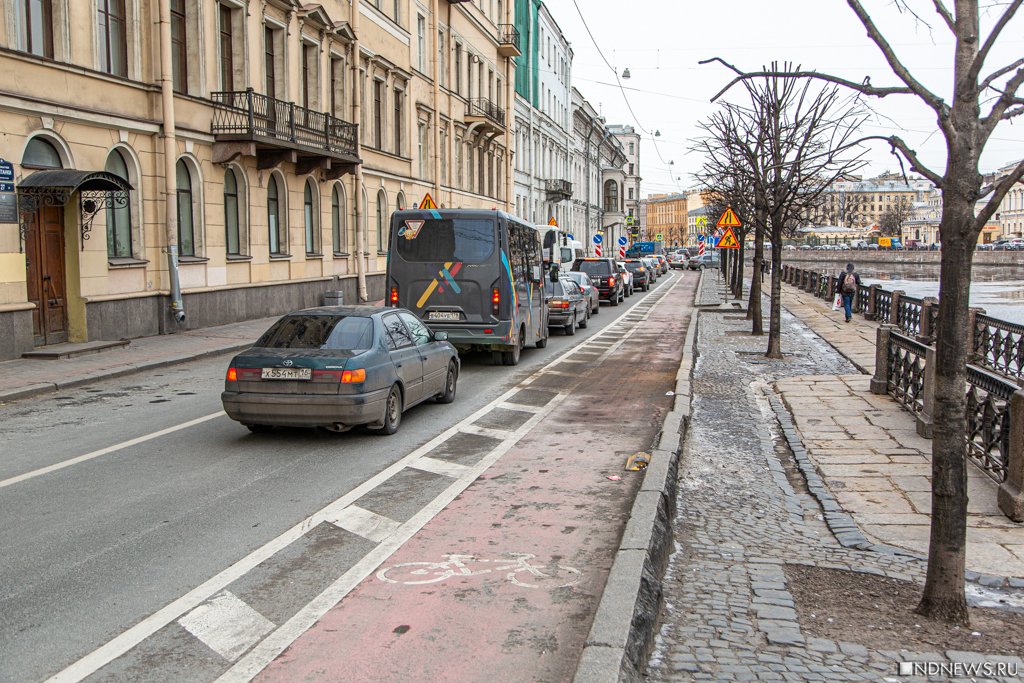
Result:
{"points": [[775, 315], [943, 596], [738, 279], [754, 305]]}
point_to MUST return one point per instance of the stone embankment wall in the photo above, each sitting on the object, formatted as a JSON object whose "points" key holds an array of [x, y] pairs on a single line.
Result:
{"points": [[912, 257]]}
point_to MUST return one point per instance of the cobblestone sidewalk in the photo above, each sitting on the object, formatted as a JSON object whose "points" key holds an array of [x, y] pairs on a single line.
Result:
{"points": [[743, 513]]}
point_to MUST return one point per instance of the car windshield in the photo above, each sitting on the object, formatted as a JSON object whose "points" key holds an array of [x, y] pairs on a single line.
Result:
{"points": [[578, 277], [470, 240], [557, 288], [349, 333], [594, 267], [633, 266]]}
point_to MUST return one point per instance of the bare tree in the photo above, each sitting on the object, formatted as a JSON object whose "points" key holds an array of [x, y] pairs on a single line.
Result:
{"points": [[892, 219], [966, 129]]}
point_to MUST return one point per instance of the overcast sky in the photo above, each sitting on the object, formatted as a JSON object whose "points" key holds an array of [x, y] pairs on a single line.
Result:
{"points": [[661, 41]]}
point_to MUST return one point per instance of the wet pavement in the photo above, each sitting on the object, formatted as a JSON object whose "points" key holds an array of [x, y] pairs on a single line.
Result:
{"points": [[745, 511]]}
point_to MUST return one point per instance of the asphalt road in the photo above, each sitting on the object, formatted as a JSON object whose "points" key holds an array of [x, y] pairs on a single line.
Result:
{"points": [[165, 492]]}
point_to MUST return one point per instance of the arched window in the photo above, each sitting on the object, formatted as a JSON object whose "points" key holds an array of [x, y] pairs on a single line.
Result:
{"points": [[277, 244], [310, 216], [119, 218], [40, 153], [611, 196], [382, 220], [339, 220], [400, 202], [232, 228], [186, 223]]}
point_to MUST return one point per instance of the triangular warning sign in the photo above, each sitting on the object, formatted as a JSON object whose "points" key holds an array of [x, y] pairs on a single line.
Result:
{"points": [[553, 222], [428, 202], [729, 219], [728, 240]]}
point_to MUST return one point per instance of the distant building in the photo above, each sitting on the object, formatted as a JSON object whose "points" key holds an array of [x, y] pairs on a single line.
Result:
{"points": [[1010, 214], [630, 141], [667, 216], [853, 202], [597, 160]]}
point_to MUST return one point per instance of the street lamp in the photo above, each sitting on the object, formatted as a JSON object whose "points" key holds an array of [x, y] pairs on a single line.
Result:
{"points": [[625, 72]]}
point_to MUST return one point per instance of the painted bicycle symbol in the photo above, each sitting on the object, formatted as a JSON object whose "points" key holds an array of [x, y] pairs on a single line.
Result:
{"points": [[519, 571]]}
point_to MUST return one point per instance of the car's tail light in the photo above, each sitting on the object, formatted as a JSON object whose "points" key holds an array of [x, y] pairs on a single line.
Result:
{"points": [[327, 375], [495, 300], [611, 282], [232, 375], [353, 376], [558, 303], [641, 270], [393, 297], [243, 374]]}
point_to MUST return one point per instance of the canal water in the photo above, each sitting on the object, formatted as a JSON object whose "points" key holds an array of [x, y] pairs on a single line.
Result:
{"points": [[997, 289]]}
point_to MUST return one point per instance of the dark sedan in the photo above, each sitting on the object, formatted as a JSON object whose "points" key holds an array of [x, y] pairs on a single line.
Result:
{"points": [[567, 306], [641, 273], [339, 367]]}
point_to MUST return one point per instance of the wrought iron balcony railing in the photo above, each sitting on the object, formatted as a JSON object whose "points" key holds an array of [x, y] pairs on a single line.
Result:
{"points": [[558, 187], [481, 106], [508, 41], [248, 114]]}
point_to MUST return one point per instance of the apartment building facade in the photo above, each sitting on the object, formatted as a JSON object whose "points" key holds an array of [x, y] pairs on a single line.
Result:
{"points": [[668, 216], [629, 139], [543, 110], [174, 164], [597, 168], [858, 203]]}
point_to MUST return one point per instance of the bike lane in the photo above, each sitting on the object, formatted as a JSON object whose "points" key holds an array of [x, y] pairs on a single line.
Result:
{"points": [[503, 583]]}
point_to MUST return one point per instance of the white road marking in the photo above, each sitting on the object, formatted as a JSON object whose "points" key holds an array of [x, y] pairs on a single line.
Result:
{"points": [[362, 522], [511, 405], [445, 469], [109, 449], [227, 625], [500, 434]]}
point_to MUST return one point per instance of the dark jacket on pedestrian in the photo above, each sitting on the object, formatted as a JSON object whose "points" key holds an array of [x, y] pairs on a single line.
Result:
{"points": [[842, 279]]}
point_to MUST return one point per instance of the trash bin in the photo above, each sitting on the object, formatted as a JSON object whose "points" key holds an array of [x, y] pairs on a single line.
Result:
{"points": [[334, 298]]}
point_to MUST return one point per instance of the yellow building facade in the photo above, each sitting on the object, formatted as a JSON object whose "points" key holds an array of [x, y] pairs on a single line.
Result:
{"points": [[667, 216], [264, 141]]}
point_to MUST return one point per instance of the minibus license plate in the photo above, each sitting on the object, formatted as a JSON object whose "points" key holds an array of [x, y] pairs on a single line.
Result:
{"points": [[443, 315], [287, 373]]}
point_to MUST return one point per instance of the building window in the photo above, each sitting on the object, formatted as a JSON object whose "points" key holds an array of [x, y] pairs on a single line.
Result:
{"points": [[421, 148], [113, 40], [227, 48], [309, 76], [632, 148], [337, 220], [399, 119], [611, 196], [630, 193], [337, 87], [40, 153], [444, 155], [457, 181], [270, 61], [232, 233], [400, 202], [378, 114], [382, 219], [309, 217], [442, 63], [631, 169], [274, 227], [458, 68], [186, 218], [397, 12], [179, 47], [421, 43], [119, 218], [35, 26]]}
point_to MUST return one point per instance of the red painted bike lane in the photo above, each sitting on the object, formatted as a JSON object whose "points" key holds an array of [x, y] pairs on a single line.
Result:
{"points": [[528, 545]]}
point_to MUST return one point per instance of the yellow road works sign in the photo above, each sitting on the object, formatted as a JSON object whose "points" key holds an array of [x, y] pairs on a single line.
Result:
{"points": [[728, 240], [553, 222], [729, 219], [428, 202]]}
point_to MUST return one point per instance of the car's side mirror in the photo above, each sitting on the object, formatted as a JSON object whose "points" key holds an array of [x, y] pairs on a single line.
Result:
{"points": [[440, 335], [554, 272]]}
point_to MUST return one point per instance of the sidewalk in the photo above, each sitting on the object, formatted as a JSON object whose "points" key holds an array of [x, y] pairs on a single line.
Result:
{"points": [[27, 377], [873, 462]]}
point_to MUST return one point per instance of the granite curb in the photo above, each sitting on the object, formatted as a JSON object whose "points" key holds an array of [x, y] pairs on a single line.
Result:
{"points": [[623, 630], [7, 395], [840, 522]]}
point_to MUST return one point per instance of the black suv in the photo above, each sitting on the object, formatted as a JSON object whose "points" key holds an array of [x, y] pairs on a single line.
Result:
{"points": [[606, 276], [641, 277]]}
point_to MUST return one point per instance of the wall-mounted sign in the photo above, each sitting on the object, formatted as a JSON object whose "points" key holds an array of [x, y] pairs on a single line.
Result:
{"points": [[8, 200], [6, 171]]}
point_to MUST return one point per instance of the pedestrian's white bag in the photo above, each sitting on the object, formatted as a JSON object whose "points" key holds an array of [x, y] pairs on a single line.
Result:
{"points": [[837, 303]]}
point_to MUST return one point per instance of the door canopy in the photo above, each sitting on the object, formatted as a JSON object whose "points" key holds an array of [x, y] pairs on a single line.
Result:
{"points": [[96, 189]]}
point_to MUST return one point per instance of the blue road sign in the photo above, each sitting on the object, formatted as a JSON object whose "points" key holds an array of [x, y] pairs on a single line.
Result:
{"points": [[598, 239], [569, 235], [6, 170], [623, 241], [700, 238]]}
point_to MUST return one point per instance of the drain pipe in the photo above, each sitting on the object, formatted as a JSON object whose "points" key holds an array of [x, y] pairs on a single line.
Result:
{"points": [[361, 246], [170, 171], [436, 127]]}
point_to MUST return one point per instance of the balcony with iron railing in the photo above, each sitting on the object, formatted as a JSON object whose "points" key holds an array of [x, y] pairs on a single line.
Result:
{"points": [[481, 110], [273, 130], [508, 41], [558, 189]]}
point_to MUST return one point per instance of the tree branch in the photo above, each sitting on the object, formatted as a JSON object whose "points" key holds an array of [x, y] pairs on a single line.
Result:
{"points": [[863, 87], [946, 16], [987, 83], [1011, 113], [930, 98], [1008, 99], [979, 59], [999, 191], [897, 143]]}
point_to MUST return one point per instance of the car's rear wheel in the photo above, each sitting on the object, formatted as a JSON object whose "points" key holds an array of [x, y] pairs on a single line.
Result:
{"points": [[586, 320], [512, 357], [570, 328], [392, 411], [614, 299], [450, 382], [541, 343], [258, 429]]}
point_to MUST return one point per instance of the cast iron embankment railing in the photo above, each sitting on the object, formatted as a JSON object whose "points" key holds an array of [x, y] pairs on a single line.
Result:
{"points": [[988, 421], [249, 114], [906, 366], [883, 305], [999, 345], [908, 315]]}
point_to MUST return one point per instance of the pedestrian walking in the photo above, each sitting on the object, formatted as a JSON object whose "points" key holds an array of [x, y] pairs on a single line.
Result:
{"points": [[849, 282]]}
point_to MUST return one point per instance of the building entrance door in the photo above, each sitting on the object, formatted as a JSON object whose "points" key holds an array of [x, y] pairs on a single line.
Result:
{"points": [[44, 256]]}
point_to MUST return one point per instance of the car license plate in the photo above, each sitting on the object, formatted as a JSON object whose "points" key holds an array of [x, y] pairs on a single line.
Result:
{"points": [[287, 373], [443, 315]]}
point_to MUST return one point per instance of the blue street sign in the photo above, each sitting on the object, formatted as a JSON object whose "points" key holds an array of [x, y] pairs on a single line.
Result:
{"points": [[6, 170], [569, 235], [700, 238], [6, 187], [712, 241], [623, 241], [598, 239]]}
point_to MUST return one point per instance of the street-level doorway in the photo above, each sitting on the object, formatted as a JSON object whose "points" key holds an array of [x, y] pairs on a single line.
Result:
{"points": [[46, 275]]}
